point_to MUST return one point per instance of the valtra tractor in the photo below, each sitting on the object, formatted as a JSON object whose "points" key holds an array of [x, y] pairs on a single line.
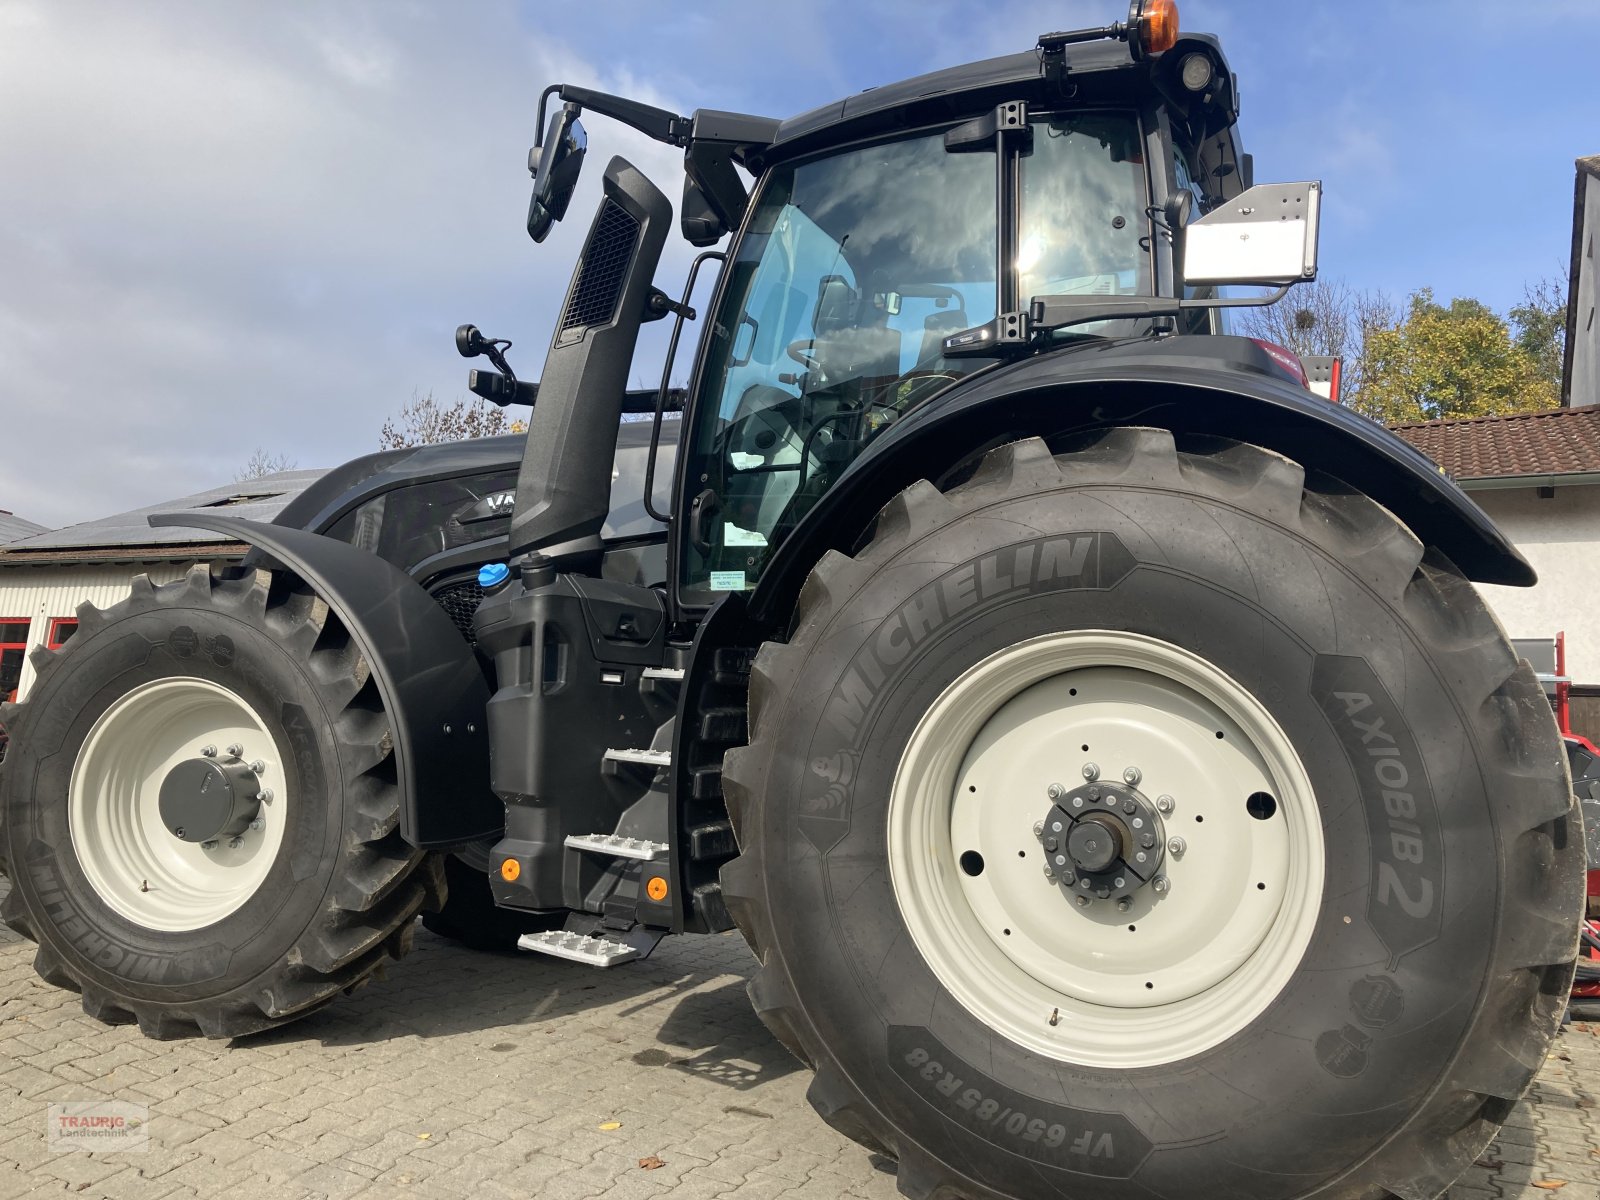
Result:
{"points": [[1096, 736]]}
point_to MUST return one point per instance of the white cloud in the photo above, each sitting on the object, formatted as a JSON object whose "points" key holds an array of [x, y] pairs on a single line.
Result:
{"points": [[238, 226]]}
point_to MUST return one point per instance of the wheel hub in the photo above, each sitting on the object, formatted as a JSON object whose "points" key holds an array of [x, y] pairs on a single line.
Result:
{"points": [[1103, 841], [204, 800]]}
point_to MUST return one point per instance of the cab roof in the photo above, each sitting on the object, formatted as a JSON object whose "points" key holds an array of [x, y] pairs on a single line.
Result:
{"points": [[1098, 73]]}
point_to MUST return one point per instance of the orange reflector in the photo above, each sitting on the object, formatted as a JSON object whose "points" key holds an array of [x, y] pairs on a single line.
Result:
{"points": [[1158, 26], [510, 870], [656, 889]]}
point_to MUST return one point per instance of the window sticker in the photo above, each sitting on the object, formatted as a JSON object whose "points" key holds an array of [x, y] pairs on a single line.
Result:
{"points": [[727, 581]]}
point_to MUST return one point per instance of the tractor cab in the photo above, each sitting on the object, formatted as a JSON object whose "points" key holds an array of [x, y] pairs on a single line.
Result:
{"points": [[900, 242]]}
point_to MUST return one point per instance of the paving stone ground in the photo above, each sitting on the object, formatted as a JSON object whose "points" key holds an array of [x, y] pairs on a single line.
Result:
{"points": [[478, 1075]]}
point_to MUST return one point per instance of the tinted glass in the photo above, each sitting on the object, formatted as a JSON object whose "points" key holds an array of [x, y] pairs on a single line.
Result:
{"points": [[853, 270]]}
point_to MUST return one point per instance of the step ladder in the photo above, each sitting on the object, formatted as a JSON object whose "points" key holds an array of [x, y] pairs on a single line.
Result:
{"points": [[617, 847], [592, 951]]}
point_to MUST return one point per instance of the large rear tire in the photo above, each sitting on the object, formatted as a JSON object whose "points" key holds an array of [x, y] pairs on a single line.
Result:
{"points": [[249, 688], [1347, 950]]}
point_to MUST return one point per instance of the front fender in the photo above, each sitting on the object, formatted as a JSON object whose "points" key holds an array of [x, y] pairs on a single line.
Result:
{"points": [[1224, 386], [429, 679]]}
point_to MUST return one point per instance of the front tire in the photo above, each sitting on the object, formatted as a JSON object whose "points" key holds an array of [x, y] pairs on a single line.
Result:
{"points": [[250, 688], [1365, 780]]}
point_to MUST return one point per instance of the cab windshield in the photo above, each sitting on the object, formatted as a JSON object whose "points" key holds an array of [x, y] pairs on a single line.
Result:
{"points": [[852, 271]]}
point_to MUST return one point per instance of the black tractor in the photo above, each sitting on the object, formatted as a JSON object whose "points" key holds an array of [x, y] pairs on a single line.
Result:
{"points": [[1095, 734]]}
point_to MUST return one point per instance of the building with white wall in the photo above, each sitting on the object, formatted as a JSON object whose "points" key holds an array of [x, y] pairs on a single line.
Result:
{"points": [[45, 576], [1537, 475]]}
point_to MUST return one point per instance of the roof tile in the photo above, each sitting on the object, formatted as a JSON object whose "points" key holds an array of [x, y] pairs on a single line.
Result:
{"points": [[1563, 441]]}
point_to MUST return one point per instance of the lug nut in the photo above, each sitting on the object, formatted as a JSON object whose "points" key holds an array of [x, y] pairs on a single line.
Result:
{"points": [[1147, 840], [1091, 771], [1048, 872], [258, 766], [1131, 776], [258, 824], [264, 795], [235, 843], [1083, 902], [1038, 828], [208, 845], [236, 751], [1165, 804], [1052, 842], [1129, 807], [1124, 904], [1160, 884], [208, 751], [1055, 791], [1177, 846], [1103, 893]]}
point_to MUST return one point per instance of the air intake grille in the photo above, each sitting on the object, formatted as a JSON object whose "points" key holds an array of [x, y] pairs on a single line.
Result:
{"points": [[605, 264], [460, 601]]}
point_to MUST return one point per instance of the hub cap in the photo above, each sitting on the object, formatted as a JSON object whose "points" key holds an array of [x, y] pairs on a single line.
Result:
{"points": [[173, 833], [1064, 939]]}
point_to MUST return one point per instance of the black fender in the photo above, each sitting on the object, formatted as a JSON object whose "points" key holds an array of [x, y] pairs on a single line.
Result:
{"points": [[428, 677], [1220, 385]]}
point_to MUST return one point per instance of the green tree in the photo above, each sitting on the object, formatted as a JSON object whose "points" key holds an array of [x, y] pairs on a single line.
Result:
{"points": [[1460, 360]]}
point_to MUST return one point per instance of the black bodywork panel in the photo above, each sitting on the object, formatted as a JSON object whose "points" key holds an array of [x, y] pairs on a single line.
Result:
{"points": [[1225, 386], [450, 480], [569, 655], [432, 686]]}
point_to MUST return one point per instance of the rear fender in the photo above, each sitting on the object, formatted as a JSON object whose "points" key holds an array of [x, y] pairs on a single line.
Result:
{"points": [[1223, 386], [432, 687]]}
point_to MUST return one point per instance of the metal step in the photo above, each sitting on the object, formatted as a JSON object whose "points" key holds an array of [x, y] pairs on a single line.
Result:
{"points": [[576, 947], [670, 673], [617, 847], [649, 758]]}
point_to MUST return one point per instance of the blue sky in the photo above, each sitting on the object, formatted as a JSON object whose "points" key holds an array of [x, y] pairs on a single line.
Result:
{"points": [[1445, 136], [233, 226]]}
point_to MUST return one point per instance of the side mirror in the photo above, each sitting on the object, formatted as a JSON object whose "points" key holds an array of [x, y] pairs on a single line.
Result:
{"points": [[556, 171], [1265, 235]]}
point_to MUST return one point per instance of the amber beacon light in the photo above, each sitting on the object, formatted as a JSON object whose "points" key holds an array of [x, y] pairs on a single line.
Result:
{"points": [[1157, 22]]}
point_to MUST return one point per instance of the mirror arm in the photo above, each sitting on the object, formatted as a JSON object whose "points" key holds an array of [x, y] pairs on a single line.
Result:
{"points": [[653, 122]]}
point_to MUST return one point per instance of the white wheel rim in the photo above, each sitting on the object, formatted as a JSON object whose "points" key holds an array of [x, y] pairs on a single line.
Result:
{"points": [[1201, 961], [133, 862]]}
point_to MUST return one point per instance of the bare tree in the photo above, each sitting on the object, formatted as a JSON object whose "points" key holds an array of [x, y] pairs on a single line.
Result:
{"points": [[1325, 317], [261, 463], [424, 421]]}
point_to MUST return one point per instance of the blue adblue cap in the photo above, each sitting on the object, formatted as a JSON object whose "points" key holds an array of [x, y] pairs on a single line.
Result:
{"points": [[493, 574]]}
